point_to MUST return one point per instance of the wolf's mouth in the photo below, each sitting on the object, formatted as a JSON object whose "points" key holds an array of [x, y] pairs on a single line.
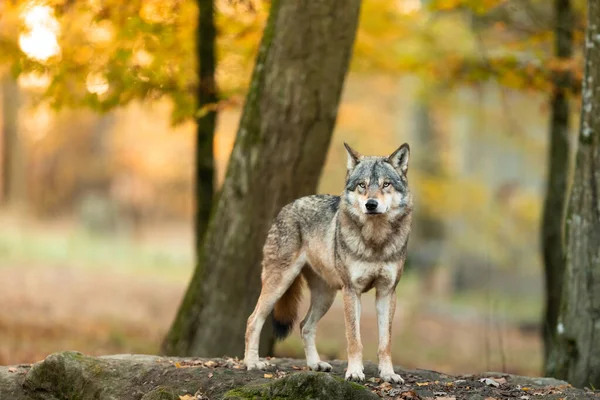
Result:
{"points": [[373, 213]]}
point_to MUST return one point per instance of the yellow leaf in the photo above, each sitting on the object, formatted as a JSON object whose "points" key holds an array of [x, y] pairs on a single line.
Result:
{"points": [[268, 376], [177, 364], [186, 397], [423, 383]]}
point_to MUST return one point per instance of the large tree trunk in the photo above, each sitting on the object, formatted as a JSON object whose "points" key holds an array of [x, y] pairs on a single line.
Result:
{"points": [[13, 171], [575, 355], [207, 116], [279, 152], [558, 174]]}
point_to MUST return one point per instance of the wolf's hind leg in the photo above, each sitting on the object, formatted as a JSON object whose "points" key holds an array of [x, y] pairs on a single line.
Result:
{"points": [[321, 299], [275, 283]]}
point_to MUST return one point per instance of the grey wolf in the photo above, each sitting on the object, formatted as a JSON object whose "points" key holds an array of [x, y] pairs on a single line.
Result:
{"points": [[353, 242]]}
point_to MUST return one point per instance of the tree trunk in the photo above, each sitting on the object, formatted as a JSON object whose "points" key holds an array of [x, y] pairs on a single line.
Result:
{"points": [[206, 120], [431, 230], [575, 355], [13, 177], [558, 174], [278, 155]]}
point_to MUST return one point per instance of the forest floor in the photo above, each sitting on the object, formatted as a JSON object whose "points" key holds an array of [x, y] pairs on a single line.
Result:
{"points": [[61, 289]]}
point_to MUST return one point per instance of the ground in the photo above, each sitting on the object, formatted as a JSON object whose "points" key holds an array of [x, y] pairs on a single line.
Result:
{"points": [[73, 375], [64, 289]]}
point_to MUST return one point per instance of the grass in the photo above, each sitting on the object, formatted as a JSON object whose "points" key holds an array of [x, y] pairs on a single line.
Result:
{"points": [[34, 246]]}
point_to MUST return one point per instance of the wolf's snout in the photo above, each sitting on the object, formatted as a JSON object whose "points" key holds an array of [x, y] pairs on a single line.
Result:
{"points": [[371, 205]]}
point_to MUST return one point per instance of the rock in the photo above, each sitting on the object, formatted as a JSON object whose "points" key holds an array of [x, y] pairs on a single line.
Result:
{"points": [[11, 383], [304, 385], [72, 375]]}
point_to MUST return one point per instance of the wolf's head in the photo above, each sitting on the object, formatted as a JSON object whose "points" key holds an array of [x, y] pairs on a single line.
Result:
{"points": [[377, 185]]}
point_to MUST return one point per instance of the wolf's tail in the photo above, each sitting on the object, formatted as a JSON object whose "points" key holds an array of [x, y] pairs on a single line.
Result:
{"points": [[285, 312]]}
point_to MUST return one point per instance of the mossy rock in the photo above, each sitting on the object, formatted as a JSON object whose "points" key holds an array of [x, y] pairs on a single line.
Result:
{"points": [[161, 393], [304, 386]]}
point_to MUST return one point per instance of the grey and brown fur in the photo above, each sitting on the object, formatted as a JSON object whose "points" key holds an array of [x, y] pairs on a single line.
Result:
{"points": [[353, 243]]}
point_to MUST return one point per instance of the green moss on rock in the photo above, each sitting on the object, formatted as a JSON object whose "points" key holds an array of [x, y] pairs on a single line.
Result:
{"points": [[161, 393], [303, 386]]}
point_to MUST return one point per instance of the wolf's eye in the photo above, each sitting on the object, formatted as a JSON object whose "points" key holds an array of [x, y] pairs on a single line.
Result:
{"points": [[386, 184], [362, 185]]}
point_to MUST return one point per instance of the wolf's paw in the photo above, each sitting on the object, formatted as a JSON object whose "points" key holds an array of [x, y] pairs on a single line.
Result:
{"points": [[391, 377], [260, 365], [320, 366], [355, 373]]}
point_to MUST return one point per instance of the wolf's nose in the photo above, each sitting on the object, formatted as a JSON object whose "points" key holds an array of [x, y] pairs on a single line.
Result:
{"points": [[371, 205]]}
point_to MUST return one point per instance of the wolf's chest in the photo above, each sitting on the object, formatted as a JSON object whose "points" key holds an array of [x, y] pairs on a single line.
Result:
{"points": [[366, 275]]}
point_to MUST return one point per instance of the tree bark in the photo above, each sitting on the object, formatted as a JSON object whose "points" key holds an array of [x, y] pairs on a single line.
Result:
{"points": [[558, 174], [13, 177], [279, 152], [575, 355], [206, 119]]}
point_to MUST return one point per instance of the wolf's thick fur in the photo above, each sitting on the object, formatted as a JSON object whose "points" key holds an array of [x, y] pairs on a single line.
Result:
{"points": [[353, 243]]}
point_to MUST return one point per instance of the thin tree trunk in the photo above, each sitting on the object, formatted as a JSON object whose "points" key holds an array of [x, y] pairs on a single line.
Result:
{"points": [[279, 152], [432, 230], [575, 355], [206, 121], [13, 176], [558, 174]]}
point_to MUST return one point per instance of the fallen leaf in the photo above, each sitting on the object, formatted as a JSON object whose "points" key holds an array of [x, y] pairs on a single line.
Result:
{"points": [[423, 383], [409, 395], [268, 376], [501, 381], [524, 397], [12, 369], [186, 397], [489, 382], [296, 367], [200, 396], [446, 398], [210, 375], [177, 365], [210, 364]]}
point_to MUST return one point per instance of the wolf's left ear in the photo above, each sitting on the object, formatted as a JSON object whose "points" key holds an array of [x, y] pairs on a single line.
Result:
{"points": [[353, 157], [399, 158]]}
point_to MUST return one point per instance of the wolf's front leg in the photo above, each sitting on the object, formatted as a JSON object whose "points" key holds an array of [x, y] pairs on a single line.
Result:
{"points": [[352, 318], [386, 305]]}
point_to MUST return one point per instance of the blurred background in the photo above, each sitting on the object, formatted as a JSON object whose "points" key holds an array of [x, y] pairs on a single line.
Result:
{"points": [[97, 163]]}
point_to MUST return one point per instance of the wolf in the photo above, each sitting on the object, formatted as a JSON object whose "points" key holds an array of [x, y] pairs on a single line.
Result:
{"points": [[350, 243]]}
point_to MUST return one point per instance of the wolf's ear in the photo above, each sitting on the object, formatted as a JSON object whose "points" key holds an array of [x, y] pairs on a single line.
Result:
{"points": [[399, 158], [353, 157]]}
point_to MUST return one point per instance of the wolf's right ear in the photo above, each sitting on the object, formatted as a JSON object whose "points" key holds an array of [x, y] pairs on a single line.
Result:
{"points": [[353, 157]]}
